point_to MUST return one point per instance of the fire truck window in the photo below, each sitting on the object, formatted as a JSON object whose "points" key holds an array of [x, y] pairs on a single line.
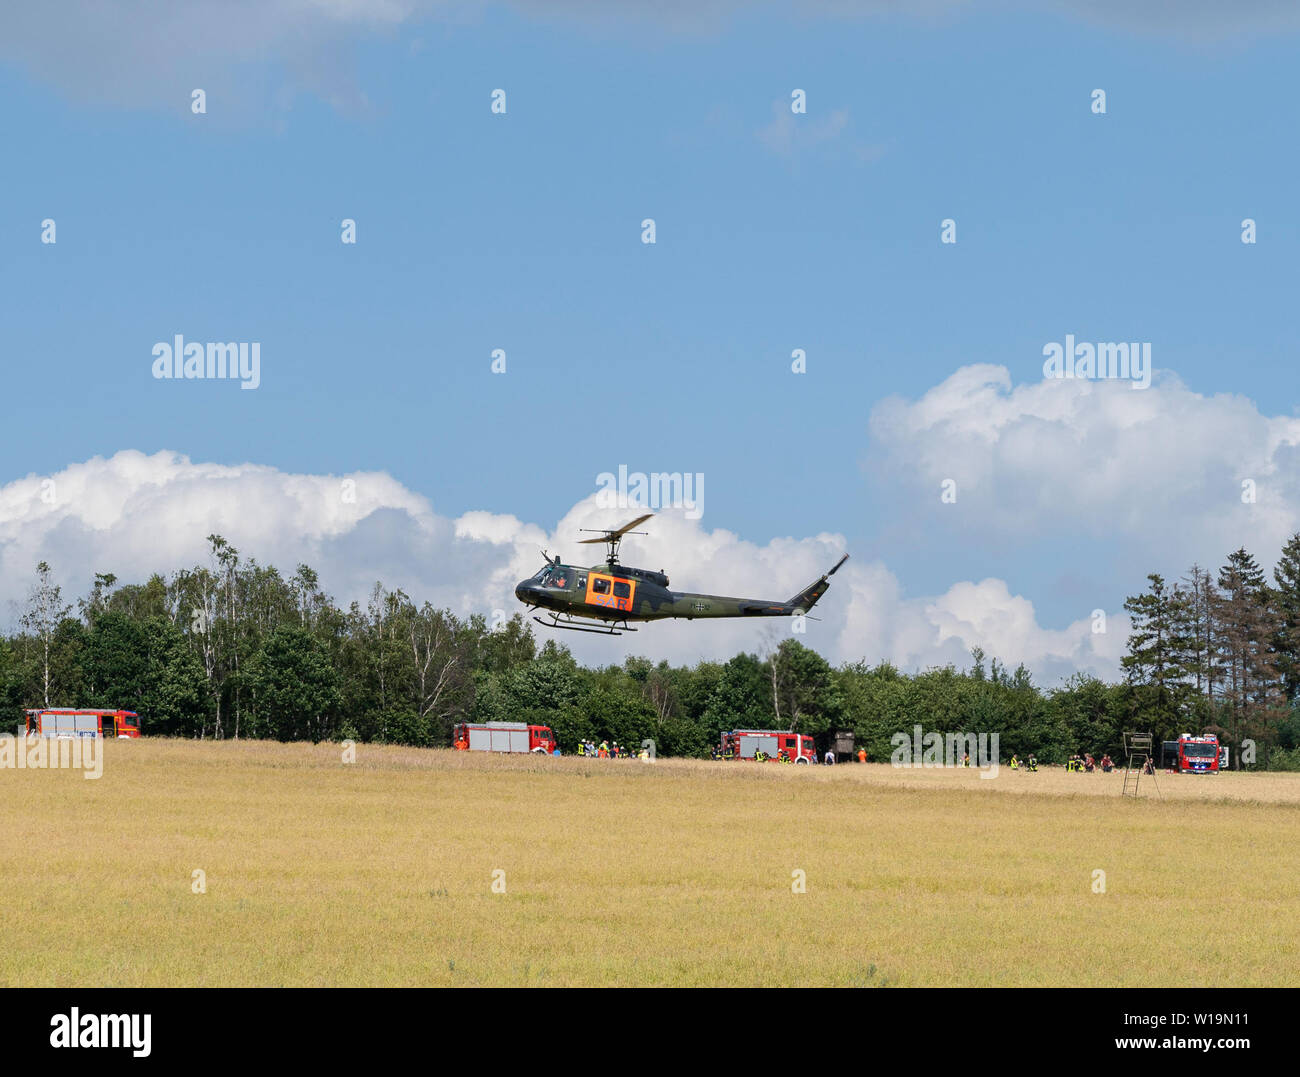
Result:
{"points": [[621, 589], [600, 587]]}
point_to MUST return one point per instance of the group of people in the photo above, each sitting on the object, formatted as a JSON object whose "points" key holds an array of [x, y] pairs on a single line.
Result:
{"points": [[1085, 764], [610, 750], [1076, 764]]}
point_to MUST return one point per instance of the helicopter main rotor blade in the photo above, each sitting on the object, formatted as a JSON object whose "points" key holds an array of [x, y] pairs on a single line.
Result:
{"points": [[621, 531]]}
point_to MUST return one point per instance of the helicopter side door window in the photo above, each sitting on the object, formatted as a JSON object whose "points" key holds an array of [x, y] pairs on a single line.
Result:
{"points": [[609, 592]]}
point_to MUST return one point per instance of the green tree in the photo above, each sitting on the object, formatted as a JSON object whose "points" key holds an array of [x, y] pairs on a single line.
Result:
{"points": [[1251, 684], [1157, 650], [115, 663], [174, 699], [294, 686], [1286, 640], [45, 611]]}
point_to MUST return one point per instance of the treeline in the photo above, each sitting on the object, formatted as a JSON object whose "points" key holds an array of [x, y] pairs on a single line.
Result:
{"points": [[236, 649], [1220, 653]]}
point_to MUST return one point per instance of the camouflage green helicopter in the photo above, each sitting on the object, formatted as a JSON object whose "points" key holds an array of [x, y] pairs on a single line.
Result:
{"points": [[605, 597]]}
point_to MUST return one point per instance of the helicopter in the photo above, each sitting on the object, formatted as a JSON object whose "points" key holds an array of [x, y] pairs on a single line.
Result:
{"points": [[605, 597]]}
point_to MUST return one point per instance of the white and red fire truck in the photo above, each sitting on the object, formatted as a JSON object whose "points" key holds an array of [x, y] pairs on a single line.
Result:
{"points": [[504, 737], [1198, 755], [746, 743], [64, 723]]}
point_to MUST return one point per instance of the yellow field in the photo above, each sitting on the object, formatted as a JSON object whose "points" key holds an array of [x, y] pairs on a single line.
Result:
{"points": [[676, 872]]}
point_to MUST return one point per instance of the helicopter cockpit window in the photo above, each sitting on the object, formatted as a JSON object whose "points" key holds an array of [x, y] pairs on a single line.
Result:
{"points": [[556, 577]]}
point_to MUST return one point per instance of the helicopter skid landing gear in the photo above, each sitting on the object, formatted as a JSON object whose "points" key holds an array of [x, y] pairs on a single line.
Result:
{"points": [[569, 624]]}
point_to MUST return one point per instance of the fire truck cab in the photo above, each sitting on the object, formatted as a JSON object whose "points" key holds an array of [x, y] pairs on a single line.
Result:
{"points": [[746, 743], [503, 737]]}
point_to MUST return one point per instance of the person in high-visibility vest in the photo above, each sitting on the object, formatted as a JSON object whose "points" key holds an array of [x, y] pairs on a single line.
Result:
{"points": [[862, 755], [1015, 761]]}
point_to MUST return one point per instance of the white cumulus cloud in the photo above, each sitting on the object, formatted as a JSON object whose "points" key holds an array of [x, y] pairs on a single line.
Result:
{"points": [[134, 514], [1164, 472]]}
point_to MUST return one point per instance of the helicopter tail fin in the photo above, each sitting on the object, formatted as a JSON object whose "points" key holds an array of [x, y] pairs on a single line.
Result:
{"points": [[807, 598]]}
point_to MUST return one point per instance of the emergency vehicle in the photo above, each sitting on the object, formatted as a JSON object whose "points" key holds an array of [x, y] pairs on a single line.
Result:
{"points": [[1194, 755], [63, 724], [743, 743], [503, 737]]}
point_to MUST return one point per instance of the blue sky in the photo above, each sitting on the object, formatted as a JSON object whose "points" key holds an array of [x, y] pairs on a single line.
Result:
{"points": [[774, 232]]}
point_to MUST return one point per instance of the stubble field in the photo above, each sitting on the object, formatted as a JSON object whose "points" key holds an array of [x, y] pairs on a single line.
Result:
{"points": [[381, 872]]}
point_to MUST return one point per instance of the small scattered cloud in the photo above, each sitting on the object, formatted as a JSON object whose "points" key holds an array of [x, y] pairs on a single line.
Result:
{"points": [[791, 135], [250, 54]]}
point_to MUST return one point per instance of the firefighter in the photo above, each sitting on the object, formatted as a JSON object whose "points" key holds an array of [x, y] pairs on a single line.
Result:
{"points": [[462, 745], [728, 752], [1015, 761], [862, 755], [782, 757], [582, 748], [1033, 762], [603, 751]]}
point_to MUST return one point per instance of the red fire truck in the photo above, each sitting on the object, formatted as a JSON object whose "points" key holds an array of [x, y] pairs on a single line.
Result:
{"points": [[69, 723], [744, 743], [504, 737], [1194, 755]]}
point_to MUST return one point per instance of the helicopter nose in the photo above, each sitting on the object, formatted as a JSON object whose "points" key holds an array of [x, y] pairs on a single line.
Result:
{"points": [[524, 591]]}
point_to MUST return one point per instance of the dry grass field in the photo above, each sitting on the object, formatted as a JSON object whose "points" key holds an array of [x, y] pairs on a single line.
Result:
{"points": [[625, 873]]}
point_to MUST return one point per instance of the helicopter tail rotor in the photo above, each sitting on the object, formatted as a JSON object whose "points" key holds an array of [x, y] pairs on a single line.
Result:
{"points": [[807, 598]]}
